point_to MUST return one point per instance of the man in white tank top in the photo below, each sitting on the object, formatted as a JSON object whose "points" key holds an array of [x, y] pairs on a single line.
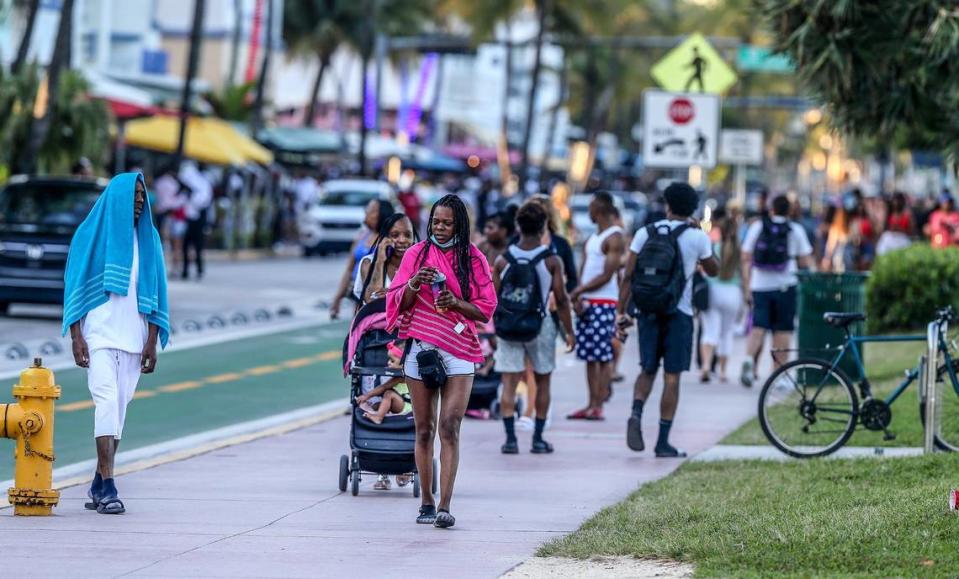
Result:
{"points": [[541, 351], [595, 303]]}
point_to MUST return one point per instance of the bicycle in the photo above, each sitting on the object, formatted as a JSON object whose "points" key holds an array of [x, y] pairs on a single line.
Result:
{"points": [[809, 407]]}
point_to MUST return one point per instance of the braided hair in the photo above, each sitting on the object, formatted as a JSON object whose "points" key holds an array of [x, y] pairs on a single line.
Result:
{"points": [[462, 262], [384, 232]]}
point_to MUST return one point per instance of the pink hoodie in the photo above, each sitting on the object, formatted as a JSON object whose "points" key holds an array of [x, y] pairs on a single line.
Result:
{"points": [[422, 321]]}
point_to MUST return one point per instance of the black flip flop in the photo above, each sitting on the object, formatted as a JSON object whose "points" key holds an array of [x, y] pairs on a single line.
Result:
{"points": [[111, 506], [427, 515], [444, 520], [94, 501]]}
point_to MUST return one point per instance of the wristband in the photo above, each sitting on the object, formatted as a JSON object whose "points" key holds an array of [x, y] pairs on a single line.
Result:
{"points": [[409, 284]]}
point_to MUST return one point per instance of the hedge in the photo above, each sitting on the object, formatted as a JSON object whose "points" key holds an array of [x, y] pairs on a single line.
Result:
{"points": [[907, 286]]}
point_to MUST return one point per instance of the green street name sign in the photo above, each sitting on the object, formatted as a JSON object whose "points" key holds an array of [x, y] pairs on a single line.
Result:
{"points": [[761, 59]]}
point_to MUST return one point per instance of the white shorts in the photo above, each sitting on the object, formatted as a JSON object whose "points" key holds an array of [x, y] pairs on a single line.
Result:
{"points": [[454, 366], [112, 378]]}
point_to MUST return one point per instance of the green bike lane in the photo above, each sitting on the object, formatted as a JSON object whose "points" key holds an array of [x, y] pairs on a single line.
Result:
{"points": [[202, 388]]}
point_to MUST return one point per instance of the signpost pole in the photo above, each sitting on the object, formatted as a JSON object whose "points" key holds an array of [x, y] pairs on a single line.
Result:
{"points": [[741, 185]]}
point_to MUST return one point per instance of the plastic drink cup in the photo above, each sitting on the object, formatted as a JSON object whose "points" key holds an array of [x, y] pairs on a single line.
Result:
{"points": [[438, 285]]}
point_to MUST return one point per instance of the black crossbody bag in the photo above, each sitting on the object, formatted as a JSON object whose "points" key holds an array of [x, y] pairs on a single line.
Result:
{"points": [[432, 370]]}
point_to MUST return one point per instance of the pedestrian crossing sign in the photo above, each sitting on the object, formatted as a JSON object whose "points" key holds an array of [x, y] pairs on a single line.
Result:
{"points": [[694, 66]]}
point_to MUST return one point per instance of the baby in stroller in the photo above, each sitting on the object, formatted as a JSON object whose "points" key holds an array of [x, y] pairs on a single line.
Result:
{"points": [[389, 398]]}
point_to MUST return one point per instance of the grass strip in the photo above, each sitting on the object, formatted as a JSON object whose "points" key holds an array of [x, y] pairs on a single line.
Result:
{"points": [[814, 518]]}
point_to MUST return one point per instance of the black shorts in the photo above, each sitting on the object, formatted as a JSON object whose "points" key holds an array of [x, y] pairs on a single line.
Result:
{"points": [[666, 338], [775, 310]]}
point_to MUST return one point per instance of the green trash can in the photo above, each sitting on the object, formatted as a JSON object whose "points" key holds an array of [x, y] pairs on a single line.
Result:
{"points": [[829, 292]]}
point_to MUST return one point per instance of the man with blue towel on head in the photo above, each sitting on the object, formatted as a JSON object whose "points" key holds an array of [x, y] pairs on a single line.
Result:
{"points": [[115, 308]]}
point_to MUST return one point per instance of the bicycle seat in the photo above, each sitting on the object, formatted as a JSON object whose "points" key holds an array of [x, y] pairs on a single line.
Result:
{"points": [[842, 319]]}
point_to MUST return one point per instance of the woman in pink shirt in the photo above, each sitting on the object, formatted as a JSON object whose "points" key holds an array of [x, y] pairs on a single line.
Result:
{"points": [[441, 290]]}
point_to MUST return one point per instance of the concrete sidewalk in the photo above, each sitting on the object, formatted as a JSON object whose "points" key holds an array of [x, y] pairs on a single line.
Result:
{"points": [[270, 508]]}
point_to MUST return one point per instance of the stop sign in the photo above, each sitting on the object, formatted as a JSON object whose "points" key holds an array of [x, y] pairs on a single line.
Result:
{"points": [[681, 110]]}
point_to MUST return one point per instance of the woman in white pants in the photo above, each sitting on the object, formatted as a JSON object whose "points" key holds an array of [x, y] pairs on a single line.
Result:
{"points": [[725, 302]]}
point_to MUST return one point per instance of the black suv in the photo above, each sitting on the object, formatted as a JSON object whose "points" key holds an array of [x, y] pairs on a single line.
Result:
{"points": [[38, 216]]}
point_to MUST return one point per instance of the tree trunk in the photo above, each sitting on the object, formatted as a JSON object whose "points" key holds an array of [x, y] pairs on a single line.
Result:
{"points": [[196, 43], [41, 127], [361, 154], [315, 93], [257, 120], [543, 7], [24, 50], [236, 40]]}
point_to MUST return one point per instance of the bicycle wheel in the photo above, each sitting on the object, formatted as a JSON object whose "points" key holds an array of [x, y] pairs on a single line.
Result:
{"points": [[808, 409], [947, 409]]}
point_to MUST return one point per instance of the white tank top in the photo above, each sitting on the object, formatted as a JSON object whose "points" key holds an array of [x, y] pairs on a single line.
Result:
{"points": [[545, 278], [595, 262]]}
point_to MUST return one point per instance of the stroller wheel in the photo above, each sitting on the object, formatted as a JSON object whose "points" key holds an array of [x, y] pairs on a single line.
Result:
{"points": [[416, 486], [436, 476], [344, 472], [356, 482]]}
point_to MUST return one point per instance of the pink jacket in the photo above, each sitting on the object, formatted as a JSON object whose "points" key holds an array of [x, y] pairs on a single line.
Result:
{"points": [[422, 321]]}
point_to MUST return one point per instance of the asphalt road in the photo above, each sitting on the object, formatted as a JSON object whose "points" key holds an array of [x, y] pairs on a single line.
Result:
{"points": [[228, 286]]}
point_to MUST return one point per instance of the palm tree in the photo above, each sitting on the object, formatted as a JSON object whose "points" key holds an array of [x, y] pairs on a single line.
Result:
{"points": [[317, 28], [388, 17], [542, 13], [23, 50], [256, 122], [193, 61], [27, 162]]}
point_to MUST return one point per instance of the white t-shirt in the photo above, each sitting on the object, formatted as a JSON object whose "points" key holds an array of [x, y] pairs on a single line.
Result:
{"points": [[360, 279], [771, 280], [118, 324], [693, 244]]}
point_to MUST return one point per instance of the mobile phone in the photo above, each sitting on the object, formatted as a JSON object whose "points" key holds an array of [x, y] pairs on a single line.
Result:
{"points": [[389, 252]]}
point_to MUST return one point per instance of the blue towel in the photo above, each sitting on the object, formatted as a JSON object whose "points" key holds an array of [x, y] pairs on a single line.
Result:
{"points": [[101, 255]]}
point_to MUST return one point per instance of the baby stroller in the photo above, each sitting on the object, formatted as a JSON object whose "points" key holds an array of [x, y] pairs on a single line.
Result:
{"points": [[377, 449]]}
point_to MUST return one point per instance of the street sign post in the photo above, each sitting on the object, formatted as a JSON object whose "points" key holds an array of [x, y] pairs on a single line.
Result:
{"points": [[680, 130], [694, 66], [741, 148]]}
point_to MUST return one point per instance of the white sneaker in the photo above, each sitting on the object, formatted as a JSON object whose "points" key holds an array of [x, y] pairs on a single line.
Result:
{"points": [[525, 423]]}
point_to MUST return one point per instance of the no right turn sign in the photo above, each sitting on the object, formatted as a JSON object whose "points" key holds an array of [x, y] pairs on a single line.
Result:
{"points": [[680, 129]]}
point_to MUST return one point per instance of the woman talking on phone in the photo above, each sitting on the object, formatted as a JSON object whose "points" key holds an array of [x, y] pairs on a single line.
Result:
{"points": [[379, 267], [442, 288]]}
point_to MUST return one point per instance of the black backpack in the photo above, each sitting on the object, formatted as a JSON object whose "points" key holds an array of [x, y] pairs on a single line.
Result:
{"points": [[772, 247], [659, 278], [520, 311]]}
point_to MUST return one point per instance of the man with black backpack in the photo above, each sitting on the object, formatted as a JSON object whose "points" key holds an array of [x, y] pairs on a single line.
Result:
{"points": [[524, 276], [770, 253], [658, 283]]}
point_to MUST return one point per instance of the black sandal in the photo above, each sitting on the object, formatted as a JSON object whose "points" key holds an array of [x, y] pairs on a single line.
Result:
{"points": [[427, 515], [541, 447], [444, 519], [111, 506]]}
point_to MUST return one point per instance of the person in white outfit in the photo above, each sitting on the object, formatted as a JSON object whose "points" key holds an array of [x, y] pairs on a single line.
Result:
{"points": [[115, 310], [725, 301]]}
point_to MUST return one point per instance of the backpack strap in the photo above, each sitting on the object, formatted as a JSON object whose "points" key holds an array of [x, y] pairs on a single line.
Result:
{"points": [[510, 258], [541, 256], [675, 233]]}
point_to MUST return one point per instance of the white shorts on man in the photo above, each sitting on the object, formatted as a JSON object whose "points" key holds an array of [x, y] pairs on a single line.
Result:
{"points": [[115, 333]]}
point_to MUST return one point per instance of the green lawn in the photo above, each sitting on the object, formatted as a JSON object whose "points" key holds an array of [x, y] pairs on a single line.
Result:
{"points": [[885, 363], [852, 518]]}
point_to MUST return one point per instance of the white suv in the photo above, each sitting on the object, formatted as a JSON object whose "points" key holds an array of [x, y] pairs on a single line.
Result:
{"points": [[331, 223]]}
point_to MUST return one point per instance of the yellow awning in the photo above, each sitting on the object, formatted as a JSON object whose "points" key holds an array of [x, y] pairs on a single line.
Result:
{"points": [[208, 140]]}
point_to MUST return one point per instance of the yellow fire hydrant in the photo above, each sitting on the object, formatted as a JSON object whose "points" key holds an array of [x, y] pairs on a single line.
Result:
{"points": [[30, 423]]}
